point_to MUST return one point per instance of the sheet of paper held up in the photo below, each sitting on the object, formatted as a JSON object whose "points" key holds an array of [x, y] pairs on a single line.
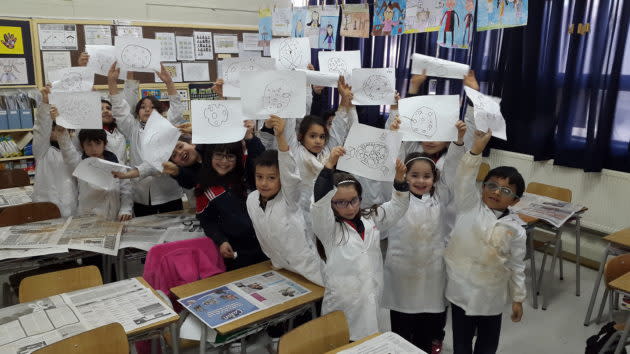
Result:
{"points": [[98, 172], [291, 53], [138, 54], [342, 62], [77, 78], [487, 113], [373, 86], [429, 118], [230, 67], [217, 121], [101, 59], [319, 78], [78, 110], [438, 67], [158, 140], [274, 92]]}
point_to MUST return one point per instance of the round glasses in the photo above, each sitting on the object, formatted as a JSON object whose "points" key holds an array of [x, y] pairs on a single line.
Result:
{"points": [[505, 191], [342, 204]]}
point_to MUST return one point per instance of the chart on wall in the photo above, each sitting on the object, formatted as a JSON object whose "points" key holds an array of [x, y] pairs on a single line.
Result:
{"points": [[501, 14], [57, 36]]}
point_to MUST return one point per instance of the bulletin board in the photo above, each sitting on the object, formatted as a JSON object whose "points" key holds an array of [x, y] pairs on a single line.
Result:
{"points": [[17, 67], [148, 31]]}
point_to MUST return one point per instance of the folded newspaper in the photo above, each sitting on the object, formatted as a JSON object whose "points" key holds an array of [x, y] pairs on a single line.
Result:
{"points": [[553, 211], [16, 196]]}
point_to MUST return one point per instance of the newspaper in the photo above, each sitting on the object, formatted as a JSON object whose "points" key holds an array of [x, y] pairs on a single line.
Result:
{"points": [[163, 220], [148, 231], [387, 342], [230, 302], [30, 252], [553, 211], [16, 196], [92, 233], [39, 234], [141, 237]]}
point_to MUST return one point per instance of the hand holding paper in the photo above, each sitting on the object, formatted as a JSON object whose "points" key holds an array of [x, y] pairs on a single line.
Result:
{"points": [[438, 67], [158, 140], [98, 172]]}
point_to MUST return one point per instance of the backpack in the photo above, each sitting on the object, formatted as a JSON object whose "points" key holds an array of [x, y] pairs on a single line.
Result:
{"points": [[595, 343]]}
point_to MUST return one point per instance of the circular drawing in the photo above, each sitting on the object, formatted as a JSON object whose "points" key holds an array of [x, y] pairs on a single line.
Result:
{"points": [[338, 66], [230, 73], [424, 121], [276, 97], [373, 155], [217, 115], [289, 55], [376, 87], [72, 82], [135, 56]]}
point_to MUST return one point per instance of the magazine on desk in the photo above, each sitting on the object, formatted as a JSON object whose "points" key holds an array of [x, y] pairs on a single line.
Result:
{"points": [[551, 210], [219, 306]]}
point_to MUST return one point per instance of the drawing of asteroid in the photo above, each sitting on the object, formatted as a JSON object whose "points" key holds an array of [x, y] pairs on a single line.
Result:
{"points": [[277, 96], [376, 87], [423, 121], [230, 72], [217, 115], [339, 66], [71, 82], [289, 54], [373, 154], [135, 56]]}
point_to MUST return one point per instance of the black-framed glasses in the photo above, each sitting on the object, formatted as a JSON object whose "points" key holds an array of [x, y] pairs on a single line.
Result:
{"points": [[505, 191], [221, 156], [346, 203]]}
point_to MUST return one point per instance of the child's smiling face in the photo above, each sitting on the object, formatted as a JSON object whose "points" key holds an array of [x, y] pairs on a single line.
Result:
{"points": [[499, 198]]}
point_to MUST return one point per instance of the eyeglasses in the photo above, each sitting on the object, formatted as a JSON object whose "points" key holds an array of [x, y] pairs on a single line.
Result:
{"points": [[505, 191], [219, 156], [346, 203]]}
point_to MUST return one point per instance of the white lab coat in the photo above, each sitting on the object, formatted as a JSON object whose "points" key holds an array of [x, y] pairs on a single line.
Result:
{"points": [[117, 144], [485, 255], [414, 263], [152, 187], [353, 274], [110, 204], [53, 178], [280, 227]]}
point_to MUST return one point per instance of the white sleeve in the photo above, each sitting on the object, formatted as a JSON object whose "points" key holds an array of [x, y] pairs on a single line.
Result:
{"points": [[145, 170], [71, 156], [130, 90], [323, 219], [289, 177], [268, 140], [343, 120], [126, 200], [451, 161], [42, 128], [175, 113], [467, 195], [516, 264], [290, 134], [469, 119], [125, 122], [390, 212]]}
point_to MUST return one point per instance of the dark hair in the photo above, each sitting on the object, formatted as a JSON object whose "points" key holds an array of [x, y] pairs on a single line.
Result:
{"points": [[329, 113], [95, 135], [421, 156], [157, 105], [269, 158], [340, 176], [106, 101], [208, 177], [511, 174], [185, 138], [307, 122]]}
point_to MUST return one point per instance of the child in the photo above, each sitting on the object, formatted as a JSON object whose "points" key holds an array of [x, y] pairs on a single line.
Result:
{"points": [[275, 213], [116, 141], [484, 257], [53, 179], [113, 204], [353, 274], [414, 262]]}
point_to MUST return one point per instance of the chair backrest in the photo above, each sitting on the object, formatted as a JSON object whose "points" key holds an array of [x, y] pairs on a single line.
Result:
{"points": [[108, 339], [29, 212], [317, 336], [59, 282], [617, 267], [14, 178], [550, 191], [484, 168]]}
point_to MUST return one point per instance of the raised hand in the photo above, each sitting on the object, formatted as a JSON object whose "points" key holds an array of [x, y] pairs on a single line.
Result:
{"points": [[481, 140], [470, 80], [54, 113], [416, 81], [83, 59], [461, 131], [185, 128], [126, 175], [112, 79], [401, 170], [335, 154], [218, 87], [164, 75], [249, 125], [395, 124], [170, 168], [45, 91]]}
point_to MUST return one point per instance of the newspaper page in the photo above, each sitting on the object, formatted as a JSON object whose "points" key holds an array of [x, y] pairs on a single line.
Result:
{"points": [[553, 211], [271, 288], [16, 196], [39, 234], [30, 252], [27, 327], [141, 237], [163, 220], [127, 302], [92, 233], [387, 342]]}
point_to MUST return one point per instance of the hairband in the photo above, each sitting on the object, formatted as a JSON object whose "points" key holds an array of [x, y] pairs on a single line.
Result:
{"points": [[346, 181], [420, 158]]}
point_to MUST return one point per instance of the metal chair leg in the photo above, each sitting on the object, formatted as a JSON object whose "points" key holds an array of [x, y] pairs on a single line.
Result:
{"points": [[532, 262], [600, 272], [602, 305], [560, 260], [624, 336], [578, 228], [542, 269], [611, 304], [553, 268]]}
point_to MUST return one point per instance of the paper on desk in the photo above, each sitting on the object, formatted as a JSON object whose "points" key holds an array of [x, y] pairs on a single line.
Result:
{"points": [[16, 196], [191, 329], [164, 220], [387, 342], [158, 140], [98, 172], [92, 233], [555, 212], [141, 237], [41, 234], [30, 252]]}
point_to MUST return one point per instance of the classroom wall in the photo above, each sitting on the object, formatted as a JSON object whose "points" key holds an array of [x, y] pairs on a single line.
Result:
{"points": [[226, 12]]}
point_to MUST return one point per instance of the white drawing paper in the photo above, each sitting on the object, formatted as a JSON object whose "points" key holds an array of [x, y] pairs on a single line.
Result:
{"points": [[196, 71], [373, 86], [57, 36], [388, 342], [98, 172], [291, 53], [319, 78], [185, 48], [487, 113], [429, 118], [78, 110], [203, 45], [98, 34], [158, 140], [342, 62], [13, 71], [250, 41], [78, 78], [438, 67], [226, 43], [129, 31], [101, 58], [216, 121], [167, 45], [281, 18], [55, 61], [175, 69], [371, 152], [138, 54], [274, 92], [230, 67]]}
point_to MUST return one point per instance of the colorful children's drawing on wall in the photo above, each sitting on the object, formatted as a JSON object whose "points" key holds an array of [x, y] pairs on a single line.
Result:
{"points": [[264, 27], [389, 17], [502, 14], [298, 22], [313, 25], [11, 40], [468, 21], [355, 21], [328, 29], [456, 24], [423, 15]]}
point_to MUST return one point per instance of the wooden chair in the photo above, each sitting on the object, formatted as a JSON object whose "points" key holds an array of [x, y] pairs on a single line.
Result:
{"points": [[29, 212], [484, 168], [614, 268], [317, 336], [108, 339], [14, 178], [562, 194], [54, 283]]}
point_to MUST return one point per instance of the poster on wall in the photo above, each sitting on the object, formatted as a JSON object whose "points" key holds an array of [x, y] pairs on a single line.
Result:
{"points": [[355, 20], [16, 53], [457, 24], [389, 17], [501, 14], [54, 61], [328, 29], [97, 34], [13, 72], [281, 18], [313, 25], [264, 27], [298, 22], [203, 45], [57, 36], [226, 43], [167, 45], [423, 15], [11, 40], [129, 31], [185, 48]]}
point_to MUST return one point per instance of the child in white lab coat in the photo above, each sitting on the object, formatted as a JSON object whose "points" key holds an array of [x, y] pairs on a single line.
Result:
{"points": [[485, 254], [353, 274], [116, 141], [274, 210], [414, 275]]}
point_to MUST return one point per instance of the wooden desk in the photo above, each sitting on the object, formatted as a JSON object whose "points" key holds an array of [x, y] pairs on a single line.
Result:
{"points": [[622, 284], [350, 345], [621, 237], [158, 325]]}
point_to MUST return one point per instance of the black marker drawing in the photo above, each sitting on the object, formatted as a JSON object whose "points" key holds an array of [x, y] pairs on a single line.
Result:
{"points": [[230, 72], [217, 115], [289, 54], [423, 121], [70, 82], [338, 66], [277, 96], [136, 56], [377, 87], [372, 154]]}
